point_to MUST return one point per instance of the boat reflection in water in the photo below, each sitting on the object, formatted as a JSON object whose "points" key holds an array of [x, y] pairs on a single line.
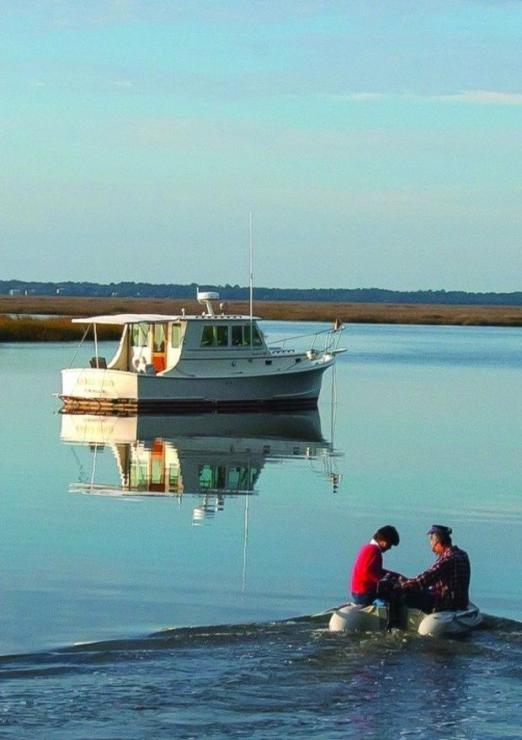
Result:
{"points": [[210, 456]]}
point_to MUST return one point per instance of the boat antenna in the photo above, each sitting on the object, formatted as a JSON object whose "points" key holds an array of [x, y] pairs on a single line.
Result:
{"points": [[251, 282]]}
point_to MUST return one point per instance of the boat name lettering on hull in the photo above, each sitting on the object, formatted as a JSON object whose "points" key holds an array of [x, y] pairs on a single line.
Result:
{"points": [[91, 382]]}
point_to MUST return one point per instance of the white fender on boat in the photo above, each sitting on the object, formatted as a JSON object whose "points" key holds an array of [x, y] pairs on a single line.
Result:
{"points": [[354, 618], [450, 622], [342, 619]]}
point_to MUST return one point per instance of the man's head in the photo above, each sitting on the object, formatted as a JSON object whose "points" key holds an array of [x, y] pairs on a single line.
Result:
{"points": [[386, 537], [440, 537]]}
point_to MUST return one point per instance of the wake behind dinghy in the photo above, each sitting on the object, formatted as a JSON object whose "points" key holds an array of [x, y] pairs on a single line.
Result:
{"points": [[375, 618]]}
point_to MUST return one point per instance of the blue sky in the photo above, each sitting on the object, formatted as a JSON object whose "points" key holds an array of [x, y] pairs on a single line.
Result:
{"points": [[376, 143]]}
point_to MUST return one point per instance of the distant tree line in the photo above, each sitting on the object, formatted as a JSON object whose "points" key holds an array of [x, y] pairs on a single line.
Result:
{"points": [[236, 292]]}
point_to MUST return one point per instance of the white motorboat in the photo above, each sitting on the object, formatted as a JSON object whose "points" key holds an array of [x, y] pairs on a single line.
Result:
{"points": [[375, 618], [212, 360]]}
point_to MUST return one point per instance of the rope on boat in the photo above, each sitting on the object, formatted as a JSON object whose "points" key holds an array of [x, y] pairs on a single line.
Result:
{"points": [[303, 336], [333, 335], [81, 342]]}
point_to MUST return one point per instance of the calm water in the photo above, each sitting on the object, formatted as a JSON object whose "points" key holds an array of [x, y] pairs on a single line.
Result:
{"points": [[140, 537]]}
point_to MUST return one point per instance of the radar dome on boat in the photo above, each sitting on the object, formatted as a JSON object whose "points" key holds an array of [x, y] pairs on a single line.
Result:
{"points": [[208, 296], [205, 297]]}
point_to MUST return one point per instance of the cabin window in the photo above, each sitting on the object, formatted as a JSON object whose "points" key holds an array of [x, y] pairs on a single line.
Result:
{"points": [[139, 335], [205, 476], [157, 471], [175, 337], [214, 336], [243, 477], [175, 481], [158, 343], [212, 477], [256, 336], [222, 336], [237, 336], [207, 337], [138, 478], [241, 336]]}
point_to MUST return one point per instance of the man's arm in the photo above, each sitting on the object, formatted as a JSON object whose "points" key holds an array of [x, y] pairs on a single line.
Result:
{"points": [[393, 574], [428, 577]]}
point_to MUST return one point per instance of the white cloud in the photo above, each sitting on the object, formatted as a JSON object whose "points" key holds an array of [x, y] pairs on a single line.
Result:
{"points": [[475, 97], [484, 97], [125, 84]]}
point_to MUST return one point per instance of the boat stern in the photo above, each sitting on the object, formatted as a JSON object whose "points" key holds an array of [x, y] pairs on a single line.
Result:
{"points": [[98, 389]]}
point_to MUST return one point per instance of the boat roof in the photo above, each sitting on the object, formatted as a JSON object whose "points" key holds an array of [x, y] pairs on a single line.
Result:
{"points": [[156, 318]]}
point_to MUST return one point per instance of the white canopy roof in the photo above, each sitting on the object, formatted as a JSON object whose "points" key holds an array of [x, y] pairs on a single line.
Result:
{"points": [[152, 318], [128, 318]]}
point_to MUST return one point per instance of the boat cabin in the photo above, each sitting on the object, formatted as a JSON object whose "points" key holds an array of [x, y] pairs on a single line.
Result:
{"points": [[154, 343]]}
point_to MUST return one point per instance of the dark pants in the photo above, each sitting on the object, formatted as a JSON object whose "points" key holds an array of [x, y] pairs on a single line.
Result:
{"points": [[423, 600], [363, 599]]}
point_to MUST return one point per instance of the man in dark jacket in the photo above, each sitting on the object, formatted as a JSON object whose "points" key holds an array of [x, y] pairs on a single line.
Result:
{"points": [[445, 585]]}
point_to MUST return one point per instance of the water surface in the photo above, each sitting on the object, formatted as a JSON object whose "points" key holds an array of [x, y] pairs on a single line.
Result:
{"points": [[112, 531]]}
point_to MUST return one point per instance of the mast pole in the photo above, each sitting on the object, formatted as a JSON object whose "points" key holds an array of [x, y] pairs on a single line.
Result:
{"points": [[245, 538], [251, 274], [96, 345]]}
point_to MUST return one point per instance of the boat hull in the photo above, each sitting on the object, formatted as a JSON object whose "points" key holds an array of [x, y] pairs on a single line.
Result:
{"points": [[374, 618], [102, 390]]}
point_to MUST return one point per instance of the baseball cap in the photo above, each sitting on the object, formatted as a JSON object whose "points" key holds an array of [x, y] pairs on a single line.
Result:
{"points": [[439, 529]]}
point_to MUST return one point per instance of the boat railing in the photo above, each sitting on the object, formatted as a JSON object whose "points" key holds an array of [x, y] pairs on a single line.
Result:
{"points": [[322, 342]]}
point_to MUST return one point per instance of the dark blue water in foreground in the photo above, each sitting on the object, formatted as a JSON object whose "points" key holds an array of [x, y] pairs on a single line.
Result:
{"points": [[269, 680], [127, 545]]}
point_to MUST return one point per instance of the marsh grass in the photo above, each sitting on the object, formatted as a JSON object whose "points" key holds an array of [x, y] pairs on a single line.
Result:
{"points": [[30, 329], [58, 311]]}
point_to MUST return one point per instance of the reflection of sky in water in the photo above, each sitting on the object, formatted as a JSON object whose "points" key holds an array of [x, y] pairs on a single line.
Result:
{"points": [[428, 420]]}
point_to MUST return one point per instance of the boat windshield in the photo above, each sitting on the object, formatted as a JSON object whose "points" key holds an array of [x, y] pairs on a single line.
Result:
{"points": [[241, 336], [238, 335], [214, 336]]}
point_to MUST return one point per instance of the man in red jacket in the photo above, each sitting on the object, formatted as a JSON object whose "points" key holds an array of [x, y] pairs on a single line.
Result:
{"points": [[367, 569]]}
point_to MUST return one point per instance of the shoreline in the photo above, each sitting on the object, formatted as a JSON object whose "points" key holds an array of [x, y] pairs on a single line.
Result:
{"points": [[20, 321]]}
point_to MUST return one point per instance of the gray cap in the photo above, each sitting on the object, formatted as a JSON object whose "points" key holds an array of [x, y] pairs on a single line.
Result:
{"points": [[440, 529]]}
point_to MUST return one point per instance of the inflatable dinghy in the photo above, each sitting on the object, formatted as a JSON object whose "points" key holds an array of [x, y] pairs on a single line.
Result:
{"points": [[375, 618]]}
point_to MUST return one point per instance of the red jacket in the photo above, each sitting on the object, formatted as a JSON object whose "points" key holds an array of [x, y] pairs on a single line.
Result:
{"points": [[367, 570]]}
